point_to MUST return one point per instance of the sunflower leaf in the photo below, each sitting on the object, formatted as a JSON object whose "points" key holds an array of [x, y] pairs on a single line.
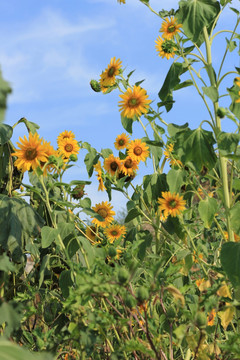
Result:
{"points": [[127, 124]]}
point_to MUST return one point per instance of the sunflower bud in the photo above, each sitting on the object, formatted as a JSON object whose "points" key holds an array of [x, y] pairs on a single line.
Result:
{"points": [[112, 252], [52, 159], [142, 294], [130, 301], [123, 276], [78, 192], [201, 320], [73, 157], [221, 112], [95, 85]]}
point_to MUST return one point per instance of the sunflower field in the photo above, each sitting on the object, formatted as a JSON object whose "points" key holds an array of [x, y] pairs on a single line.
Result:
{"points": [[164, 282]]}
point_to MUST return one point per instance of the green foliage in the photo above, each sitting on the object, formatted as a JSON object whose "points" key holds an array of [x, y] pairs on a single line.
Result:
{"points": [[230, 259], [5, 90]]}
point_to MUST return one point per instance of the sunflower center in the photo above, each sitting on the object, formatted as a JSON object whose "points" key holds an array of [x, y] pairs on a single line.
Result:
{"points": [[138, 150], [172, 204], [68, 147], [30, 153], [133, 102], [111, 71], [114, 233], [171, 28], [103, 213], [114, 166], [121, 142], [128, 163]]}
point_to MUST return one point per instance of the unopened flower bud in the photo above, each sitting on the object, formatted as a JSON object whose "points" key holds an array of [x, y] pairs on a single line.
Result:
{"points": [[95, 85], [73, 157]]}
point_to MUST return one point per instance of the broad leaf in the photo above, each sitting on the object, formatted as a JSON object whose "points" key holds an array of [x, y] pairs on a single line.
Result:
{"points": [[234, 217], [211, 92], [10, 351], [175, 179], [207, 209], [230, 259], [127, 124], [5, 133], [31, 126], [227, 142], [48, 235], [131, 215]]}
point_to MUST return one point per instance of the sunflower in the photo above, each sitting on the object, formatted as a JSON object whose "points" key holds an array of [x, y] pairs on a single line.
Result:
{"points": [[121, 141], [65, 135], [170, 28], [129, 165], [98, 169], [114, 232], [108, 76], [105, 210], [211, 317], [135, 102], [112, 164], [91, 232], [165, 48], [138, 150], [121, 1], [170, 157], [171, 203], [68, 146], [31, 153], [237, 82], [49, 149]]}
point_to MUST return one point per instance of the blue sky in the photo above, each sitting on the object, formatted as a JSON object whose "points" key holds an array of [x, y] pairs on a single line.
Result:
{"points": [[51, 49]]}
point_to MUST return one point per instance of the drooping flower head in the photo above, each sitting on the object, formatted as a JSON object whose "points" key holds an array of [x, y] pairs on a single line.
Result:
{"points": [[121, 1], [114, 232], [168, 152], [65, 135], [49, 149], [91, 232], [129, 166], [237, 82], [68, 146], [135, 102], [98, 169], [108, 76], [104, 209], [121, 141], [172, 204], [165, 48], [31, 153], [112, 164], [170, 28], [138, 150]]}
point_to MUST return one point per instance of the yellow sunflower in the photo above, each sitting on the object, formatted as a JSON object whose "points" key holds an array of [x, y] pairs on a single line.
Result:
{"points": [[68, 146], [165, 48], [121, 1], [121, 141], [31, 153], [138, 150], [112, 164], [65, 135], [211, 317], [114, 232], [105, 210], [170, 157], [171, 203], [170, 28], [108, 76], [237, 82], [49, 149], [91, 232], [98, 169], [129, 166], [135, 102]]}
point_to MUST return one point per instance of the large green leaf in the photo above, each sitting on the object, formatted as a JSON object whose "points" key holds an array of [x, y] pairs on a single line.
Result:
{"points": [[196, 148], [48, 235], [4, 91], [234, 217], [207, 209], [11, 317], [230, 259], [127, 124], [18, 221], [195, 14], [227, 142], [175, 179], [31, 126], [10, 351], [5, 133]]}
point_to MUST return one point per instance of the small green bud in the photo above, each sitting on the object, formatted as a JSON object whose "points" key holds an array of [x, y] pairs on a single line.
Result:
{"points": [[95, 85], [130, 301], [201, 320], [123, 276], [73, 157], [52, 159], [112, 252], [221, 112], [142, 294]]}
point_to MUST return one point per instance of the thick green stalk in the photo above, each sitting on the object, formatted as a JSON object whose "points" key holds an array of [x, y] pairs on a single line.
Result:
{"points": [[222, 160]]}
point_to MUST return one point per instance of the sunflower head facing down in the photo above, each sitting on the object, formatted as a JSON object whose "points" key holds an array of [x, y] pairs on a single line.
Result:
{"points": [[165, 48], [134, 102], [31, 153], [138, 150], [108, 76], [170, 28], [112, 164], [98, 169], [171, 204], [104, 209], [68, 146], [91, 232], [114, 232], [121, 141]]}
